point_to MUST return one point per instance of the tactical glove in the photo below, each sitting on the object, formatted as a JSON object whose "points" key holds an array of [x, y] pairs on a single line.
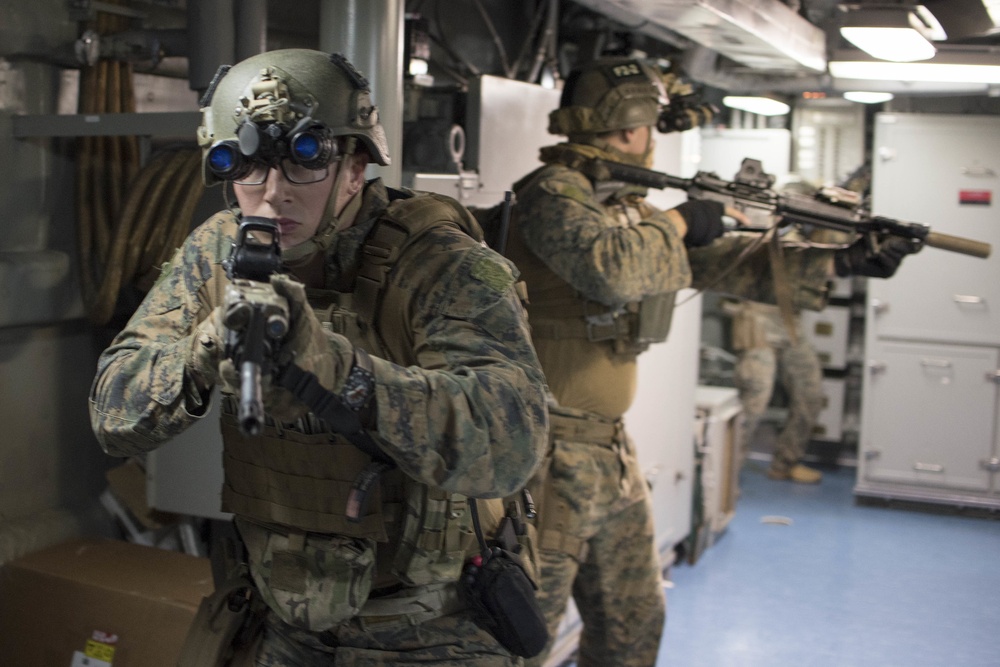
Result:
{"points": [[858, 259], [704, 221], [309, 346]]}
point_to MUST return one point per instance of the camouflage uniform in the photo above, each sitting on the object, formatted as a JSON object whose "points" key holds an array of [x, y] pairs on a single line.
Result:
{"points": [[586, 250], [461, 411], [762, 353]]}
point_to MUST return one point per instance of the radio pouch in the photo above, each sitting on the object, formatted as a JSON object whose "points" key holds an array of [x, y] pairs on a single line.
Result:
{"points": [[500, 593]]}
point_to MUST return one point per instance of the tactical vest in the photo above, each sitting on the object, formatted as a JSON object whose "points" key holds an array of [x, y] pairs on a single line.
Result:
{"points": [[557, 311], [299, 481]]}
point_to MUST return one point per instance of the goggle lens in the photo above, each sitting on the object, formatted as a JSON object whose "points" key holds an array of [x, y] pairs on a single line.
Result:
{"points": [[223, 160], [306, 147]]}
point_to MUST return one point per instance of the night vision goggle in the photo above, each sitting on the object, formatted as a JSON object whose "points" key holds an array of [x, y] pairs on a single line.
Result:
{"points": [[309, 145], [683, 113]]}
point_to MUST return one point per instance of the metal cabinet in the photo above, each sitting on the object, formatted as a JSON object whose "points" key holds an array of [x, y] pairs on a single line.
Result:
{"points": [[941, 406], [930, 402]]}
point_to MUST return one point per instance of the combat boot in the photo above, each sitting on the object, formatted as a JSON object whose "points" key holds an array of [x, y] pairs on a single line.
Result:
{"points": [[797, 473]]}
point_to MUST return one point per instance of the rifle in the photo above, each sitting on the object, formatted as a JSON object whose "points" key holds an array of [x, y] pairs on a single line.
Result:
{"points": [[255, 317], [832, 208]]}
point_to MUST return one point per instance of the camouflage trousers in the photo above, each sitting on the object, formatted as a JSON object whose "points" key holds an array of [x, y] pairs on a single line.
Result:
{"points": [[597, 544], [447, 640], [801, 376]]}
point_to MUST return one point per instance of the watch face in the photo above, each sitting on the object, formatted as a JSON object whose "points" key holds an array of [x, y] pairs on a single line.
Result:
{"points": [[358, 388]]}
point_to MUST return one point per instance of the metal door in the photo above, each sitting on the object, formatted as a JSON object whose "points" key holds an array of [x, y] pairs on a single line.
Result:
{"points": [[934, 409]]}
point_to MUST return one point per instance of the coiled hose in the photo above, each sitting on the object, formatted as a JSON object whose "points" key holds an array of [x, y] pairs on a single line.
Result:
{"points": [[130, 218]]}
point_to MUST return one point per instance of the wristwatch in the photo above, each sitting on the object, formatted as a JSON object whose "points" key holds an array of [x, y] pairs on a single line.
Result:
{"points": [[359, 388]]}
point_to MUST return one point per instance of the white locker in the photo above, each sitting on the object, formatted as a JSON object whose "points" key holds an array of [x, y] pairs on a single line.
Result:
{"points": [[929, 421]]}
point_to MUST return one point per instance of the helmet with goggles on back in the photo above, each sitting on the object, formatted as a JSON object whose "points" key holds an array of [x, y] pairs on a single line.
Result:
{"points": [[606, 95], [287, 107]]}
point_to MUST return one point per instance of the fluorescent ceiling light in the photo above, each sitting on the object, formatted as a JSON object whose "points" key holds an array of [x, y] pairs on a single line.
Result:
{"points": [[896, 44], [899, 34], [915, 72], [867, 97], [764, 106], [993, 7]]}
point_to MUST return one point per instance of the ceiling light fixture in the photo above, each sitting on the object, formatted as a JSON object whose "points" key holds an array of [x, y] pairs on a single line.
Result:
{"points": [[950, 73], [867, 97], [896, 33], [764, 106]]}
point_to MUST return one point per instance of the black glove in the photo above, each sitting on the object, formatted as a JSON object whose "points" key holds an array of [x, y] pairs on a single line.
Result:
{"points": [[704, 221], [857, 259]]}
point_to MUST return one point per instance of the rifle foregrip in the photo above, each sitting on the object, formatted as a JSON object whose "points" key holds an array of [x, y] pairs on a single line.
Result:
{"points": [[958, 244]]}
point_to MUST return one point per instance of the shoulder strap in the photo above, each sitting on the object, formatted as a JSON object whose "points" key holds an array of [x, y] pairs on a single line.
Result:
{"points": [[407, 218]]}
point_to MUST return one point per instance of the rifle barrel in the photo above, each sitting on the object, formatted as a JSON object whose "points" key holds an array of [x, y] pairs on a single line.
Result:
{"points": [[958, 244]]}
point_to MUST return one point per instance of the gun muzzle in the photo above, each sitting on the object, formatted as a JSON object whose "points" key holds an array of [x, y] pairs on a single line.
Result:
{"points": [[958, 244], [251, 409]]}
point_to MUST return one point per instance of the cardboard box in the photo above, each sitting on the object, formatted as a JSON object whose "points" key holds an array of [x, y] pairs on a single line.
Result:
{"points": [[94, 603]]}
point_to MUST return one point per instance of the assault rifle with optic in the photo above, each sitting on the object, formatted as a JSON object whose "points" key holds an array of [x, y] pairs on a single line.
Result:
{"points": [[832, 208], [255, 317]]}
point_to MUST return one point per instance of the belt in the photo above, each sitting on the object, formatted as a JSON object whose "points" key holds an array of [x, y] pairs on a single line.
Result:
{"points": [[416, 605], [594, 330], [594, 430]]}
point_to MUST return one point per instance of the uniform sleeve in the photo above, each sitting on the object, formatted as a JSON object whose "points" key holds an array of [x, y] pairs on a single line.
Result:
{"points": [[469, 417], [739, 264], [138, 398], [563, 224]]}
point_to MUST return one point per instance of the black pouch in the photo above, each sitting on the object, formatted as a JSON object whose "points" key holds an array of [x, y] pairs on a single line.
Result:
{"points": [[502, 597]]}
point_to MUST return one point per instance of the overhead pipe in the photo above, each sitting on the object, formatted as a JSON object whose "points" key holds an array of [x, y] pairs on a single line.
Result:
{"points": [[700, 64], [211, 40], [547, 44], [370, 34], [250, 23]]}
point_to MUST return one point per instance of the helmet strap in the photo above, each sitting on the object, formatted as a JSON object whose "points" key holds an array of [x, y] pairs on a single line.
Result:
{"points": [[331, 223]]}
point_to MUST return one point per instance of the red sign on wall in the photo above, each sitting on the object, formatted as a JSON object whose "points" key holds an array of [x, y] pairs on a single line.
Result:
{"points": [[975, 197]]}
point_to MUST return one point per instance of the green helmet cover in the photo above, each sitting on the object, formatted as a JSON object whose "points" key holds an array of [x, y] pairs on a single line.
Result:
{"points": [[284, 87], [608, 94]]}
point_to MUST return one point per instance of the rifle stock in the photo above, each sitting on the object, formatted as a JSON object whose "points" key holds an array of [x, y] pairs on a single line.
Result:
{"points": [[832, 208]]}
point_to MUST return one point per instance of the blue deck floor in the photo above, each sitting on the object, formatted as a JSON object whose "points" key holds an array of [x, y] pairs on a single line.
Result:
{"points": [[844, 585]]}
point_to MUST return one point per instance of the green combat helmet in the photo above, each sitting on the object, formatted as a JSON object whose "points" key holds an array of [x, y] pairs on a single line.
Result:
{"points": [[286, 104], [298, 108], [607, 95]]}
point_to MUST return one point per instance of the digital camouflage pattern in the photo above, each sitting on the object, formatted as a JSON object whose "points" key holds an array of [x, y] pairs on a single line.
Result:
{"points": [[468, 414], [607, 251], [452, 640], [461, 404], [601, 245], [318, 584], [595, 498], [726, 267], [801, 375]]}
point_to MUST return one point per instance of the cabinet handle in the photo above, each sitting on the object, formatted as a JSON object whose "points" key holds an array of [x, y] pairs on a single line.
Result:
{"points": [[879, 307], [877, 367], [928, 467], [968, 298], [978, 171], [937, 363]]}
